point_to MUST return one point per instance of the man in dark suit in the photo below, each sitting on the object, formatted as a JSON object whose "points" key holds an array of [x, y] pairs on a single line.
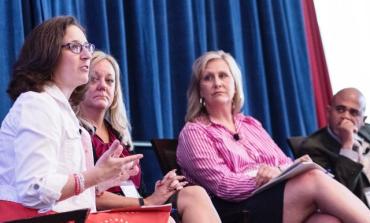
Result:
{"points": [[343, 146]]}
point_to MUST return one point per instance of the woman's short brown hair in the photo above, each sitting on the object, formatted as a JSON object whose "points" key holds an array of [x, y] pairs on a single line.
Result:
{"points": [[39, 56]]}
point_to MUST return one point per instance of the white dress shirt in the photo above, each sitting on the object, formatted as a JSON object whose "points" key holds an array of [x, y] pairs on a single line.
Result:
{"points": [[40, 146]]}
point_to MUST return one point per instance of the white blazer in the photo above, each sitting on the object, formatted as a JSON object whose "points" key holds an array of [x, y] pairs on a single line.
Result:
{"points": [[40, 146]]}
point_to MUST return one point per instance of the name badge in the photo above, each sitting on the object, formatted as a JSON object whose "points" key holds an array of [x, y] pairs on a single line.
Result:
{"points": [[129, 189]]}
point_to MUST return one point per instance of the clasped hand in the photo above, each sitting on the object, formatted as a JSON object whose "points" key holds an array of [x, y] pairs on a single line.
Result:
{"points": [[113, 169], [166, 187]]}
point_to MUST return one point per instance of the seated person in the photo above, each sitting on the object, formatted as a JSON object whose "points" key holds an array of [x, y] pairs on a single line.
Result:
{"points": [[338, 148], [231, 155], [43, 164], [103, 113]]}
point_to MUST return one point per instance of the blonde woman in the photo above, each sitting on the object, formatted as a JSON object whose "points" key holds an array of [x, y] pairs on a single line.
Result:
{"points": [[231, 155], [103, 112]]}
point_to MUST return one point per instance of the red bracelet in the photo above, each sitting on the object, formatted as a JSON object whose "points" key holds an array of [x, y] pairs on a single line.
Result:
{"points": [[77, 184]]}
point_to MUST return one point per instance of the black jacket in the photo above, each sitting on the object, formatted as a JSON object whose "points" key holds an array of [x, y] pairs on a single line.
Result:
{"points": [[324, 150]]}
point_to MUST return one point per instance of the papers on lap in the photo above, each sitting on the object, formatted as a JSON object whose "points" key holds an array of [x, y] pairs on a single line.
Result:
{"points": [[293, 170]]}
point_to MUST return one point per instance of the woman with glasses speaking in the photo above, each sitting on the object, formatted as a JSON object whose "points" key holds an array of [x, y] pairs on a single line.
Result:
{"points": [[45, 164]]}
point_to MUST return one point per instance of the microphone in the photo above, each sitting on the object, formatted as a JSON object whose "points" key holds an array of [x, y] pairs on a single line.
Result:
{"points": [[236, 137]]}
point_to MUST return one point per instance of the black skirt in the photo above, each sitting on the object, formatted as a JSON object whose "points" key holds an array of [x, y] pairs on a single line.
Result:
{"points": [[264, 207]]}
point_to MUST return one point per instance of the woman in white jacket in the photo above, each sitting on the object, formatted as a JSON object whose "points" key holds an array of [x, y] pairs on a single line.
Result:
{"points": [[43, 163]]}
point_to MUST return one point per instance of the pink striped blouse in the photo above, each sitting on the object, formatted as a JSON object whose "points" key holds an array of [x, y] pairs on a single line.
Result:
{"points": [[210, 156]]}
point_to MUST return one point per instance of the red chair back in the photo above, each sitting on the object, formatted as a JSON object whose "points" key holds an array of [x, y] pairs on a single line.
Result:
{"points": [[10, 211]]}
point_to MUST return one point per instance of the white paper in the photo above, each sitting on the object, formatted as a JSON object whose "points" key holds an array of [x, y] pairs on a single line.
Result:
{"points": [[291, 171], [129, 189]]}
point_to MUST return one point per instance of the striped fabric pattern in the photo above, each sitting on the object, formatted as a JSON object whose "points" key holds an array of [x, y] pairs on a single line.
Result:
{"points": [[210, 156]]}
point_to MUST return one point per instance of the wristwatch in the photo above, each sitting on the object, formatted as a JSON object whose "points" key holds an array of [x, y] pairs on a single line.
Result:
{"points": [[141, 201]]}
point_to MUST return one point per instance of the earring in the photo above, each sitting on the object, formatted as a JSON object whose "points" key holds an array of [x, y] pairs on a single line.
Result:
{"points": [[202, 102]]}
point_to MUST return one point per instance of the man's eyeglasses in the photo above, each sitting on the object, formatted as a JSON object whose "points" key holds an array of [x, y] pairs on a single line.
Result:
{"points": [[76, 47], [342, 109]]}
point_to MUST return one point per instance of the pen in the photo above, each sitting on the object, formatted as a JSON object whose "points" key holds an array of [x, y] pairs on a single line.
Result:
{"points": [[328, 172]]}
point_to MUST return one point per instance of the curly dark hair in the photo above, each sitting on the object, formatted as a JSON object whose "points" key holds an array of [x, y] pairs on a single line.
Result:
{"points": [[39, 56]]}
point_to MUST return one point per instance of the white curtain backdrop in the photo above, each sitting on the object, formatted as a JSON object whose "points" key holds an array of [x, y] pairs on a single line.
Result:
{"points": [[345, 32]]}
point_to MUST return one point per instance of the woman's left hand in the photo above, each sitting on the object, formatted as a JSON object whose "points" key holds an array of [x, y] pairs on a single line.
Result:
{"points": [[265, 174], [131, 169]]}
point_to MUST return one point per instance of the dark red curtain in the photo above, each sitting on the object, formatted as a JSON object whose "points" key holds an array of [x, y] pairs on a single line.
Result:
{"points": [[319, 71]]}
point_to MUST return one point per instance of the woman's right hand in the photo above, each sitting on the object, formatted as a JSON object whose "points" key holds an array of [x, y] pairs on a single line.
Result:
{"points": [[112, 167], [265, 173]]}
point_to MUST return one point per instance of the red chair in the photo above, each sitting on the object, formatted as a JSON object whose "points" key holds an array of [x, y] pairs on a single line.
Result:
{"points": [[11, 212], [295, 144]]}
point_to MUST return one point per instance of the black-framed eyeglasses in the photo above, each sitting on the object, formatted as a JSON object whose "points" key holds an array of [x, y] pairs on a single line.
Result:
{"points": [[76, 47]]}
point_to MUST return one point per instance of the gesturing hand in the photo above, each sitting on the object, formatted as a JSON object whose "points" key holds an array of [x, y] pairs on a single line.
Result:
{"points": [[114, 168]]}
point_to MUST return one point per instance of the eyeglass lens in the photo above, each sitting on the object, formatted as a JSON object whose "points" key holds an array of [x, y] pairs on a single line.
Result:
{"points": [[77, 47]]}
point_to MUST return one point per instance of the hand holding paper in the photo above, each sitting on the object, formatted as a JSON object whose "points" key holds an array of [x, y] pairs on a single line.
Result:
{"points": [[298, 167]]}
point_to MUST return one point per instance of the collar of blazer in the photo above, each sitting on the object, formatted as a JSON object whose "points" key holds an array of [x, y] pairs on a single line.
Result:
{"points": [[365, 132]]}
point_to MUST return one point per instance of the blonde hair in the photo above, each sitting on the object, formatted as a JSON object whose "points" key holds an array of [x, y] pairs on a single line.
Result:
{"points": [[194, 106], [116, 113]]}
